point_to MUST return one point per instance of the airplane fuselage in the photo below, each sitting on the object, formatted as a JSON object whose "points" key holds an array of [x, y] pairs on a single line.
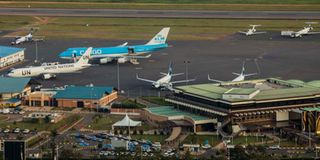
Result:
{"points": [[23, 39], [302, 32], [50, 69], [162, 82], [112, 52]]}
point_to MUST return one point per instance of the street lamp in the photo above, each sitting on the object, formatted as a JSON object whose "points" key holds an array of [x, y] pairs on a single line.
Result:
{"points": [[36, 60], [186, 62], [118, 76]]}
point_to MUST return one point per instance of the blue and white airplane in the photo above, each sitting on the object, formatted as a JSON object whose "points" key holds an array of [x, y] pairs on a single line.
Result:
{"points": [[121, 53]]}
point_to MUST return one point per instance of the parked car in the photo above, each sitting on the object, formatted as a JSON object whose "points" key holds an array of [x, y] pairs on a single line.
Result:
{"points": [[17, 130], [6, 131], [26, 131]]}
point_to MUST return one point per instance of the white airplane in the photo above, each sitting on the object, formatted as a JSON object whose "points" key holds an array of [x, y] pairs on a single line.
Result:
{"points": [[252, 31], [165, 82], [240, 77], [305, 31], [28, 38], [49, 70]]}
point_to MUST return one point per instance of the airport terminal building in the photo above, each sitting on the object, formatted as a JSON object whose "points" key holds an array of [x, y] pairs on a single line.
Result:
{"points": [[10, 55], [265, 101]]}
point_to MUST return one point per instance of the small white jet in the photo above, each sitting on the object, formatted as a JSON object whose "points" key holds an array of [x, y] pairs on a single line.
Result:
{"points": [[28, 38], [48, 70], [305, 31], [240, 77], [252, 31], [165, 82]]}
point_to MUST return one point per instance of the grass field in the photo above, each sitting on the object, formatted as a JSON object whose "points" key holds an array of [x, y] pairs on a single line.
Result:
{"points": [[240, 5], [201, 139], [139, 28], [156, 100], [3, 117], [40, 126], [153, 138], [194, 1], [104, 122], [242, 140]]}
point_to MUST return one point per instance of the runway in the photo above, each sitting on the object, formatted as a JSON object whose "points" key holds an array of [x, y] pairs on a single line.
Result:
{"points": [[269, 55], [131, 13]]}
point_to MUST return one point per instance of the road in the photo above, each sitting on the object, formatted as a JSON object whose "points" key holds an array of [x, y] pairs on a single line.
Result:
{"points": [[307, 15]]}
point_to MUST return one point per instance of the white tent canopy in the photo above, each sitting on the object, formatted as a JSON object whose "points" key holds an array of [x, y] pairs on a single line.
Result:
{"points": [[126, 122]]}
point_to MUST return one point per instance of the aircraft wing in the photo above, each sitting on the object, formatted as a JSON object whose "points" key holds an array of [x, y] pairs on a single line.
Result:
{"points": [[313, 33], [163, 73], [122, 45], [259, 32], [250, 74], [146, 80], [242, 32], [177, 74], [183, 81], [214, 80], [237, 74], [133, 56], [38, 38]]}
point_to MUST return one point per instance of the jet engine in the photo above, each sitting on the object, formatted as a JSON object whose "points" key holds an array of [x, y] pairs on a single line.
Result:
{"points": [[123, 60], [48, 76], [105, 60]]}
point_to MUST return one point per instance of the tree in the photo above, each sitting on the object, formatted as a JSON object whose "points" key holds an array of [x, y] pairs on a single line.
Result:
{"points": [[67, 154], [238, 153]]}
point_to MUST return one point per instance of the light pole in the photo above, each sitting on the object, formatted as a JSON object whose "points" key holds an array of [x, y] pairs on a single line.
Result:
{"points": [[36, 60], [118, 76], [186, 62]]}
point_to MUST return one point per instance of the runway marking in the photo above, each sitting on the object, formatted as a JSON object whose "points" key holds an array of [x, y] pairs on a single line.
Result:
{"points": [[151, 60], [138, 68]]}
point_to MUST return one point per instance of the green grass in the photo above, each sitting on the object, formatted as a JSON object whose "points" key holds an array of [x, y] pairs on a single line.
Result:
{"points": [[156, 100], [2, 117], [153, 138], [145, 28], [130, 104], [36, 140], [104, 122], [194, 1], [241, 140], [15, 22], [41, 126], [201, 139], [240, 5], [142, 28], [63, 108]]}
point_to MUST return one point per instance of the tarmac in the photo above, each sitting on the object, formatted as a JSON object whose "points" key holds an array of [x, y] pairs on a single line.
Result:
{"points": [[269, 55], [307, 15]]}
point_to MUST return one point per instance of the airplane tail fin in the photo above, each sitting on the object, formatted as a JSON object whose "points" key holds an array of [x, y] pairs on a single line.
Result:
{"points": [[170, 68], [243, 67], [85, 57], [161, 37]]}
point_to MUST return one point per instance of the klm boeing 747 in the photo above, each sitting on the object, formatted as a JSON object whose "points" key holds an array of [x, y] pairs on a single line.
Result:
{"points": [[122, 53]]}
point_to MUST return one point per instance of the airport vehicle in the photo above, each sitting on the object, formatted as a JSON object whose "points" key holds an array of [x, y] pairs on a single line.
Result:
{"points": [[49, 70], [27, 38], [165, 82], [241, 76], [122, 53], [251, 31], [305, 31]]}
